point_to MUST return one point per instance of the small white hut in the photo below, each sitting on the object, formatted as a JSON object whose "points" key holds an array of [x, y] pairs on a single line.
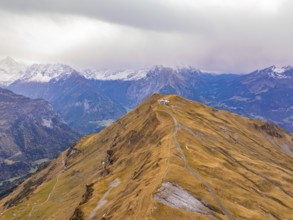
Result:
{"points": [[164, 101]]}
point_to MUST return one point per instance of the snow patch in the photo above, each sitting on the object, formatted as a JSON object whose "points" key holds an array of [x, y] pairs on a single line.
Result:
{"points": [[86, 105], [276, 75], [279, 73], [278, 70], [47, 123]]}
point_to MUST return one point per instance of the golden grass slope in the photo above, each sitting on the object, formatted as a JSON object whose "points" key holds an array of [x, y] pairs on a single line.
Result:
{"points": [[236, 167]]}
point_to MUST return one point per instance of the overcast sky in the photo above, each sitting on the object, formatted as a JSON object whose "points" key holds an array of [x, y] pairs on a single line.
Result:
{"points": [[216, 35]]}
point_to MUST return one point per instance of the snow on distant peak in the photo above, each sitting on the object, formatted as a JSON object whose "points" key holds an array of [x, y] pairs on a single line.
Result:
{"points": [[125, 75], [130, 74], [10, 70], [177, 68], [46, 72], [279, 72]]}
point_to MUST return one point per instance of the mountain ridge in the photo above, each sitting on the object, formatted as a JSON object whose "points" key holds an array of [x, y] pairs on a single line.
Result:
{"points": [[131, 169]]}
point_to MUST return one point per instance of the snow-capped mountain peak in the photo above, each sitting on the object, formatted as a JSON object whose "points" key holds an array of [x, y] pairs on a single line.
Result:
{"points": [[275, 72], [278, 69], [279, 72], [131, 74], [124, 75], [10, 70], [46, 72]]}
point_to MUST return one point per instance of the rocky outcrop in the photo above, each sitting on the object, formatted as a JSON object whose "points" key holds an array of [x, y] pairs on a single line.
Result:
{"points": [[177, 197]]}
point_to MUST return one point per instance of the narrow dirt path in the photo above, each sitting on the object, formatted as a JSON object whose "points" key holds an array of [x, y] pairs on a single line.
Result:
{"points": [[52, 190], [194, 172]]}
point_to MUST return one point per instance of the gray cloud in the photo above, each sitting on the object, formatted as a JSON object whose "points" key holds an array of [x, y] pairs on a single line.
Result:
{"points": [[134, 33], [145, 14]]}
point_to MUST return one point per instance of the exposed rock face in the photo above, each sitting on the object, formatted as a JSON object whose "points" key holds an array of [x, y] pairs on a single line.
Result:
{"points": [[31, 133], [177, 197], [270, 129]]}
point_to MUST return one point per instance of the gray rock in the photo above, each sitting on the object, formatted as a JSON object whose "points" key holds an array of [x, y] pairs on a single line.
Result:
{"points": [[177, 197]]}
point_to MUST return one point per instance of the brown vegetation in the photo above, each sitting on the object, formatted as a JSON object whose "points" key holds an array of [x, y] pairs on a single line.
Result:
{"points": [[236, 167]]}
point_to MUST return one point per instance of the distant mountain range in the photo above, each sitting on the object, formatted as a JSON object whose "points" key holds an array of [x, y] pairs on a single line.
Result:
{"points": [[31, 133], [90, 99], [183, 160]]}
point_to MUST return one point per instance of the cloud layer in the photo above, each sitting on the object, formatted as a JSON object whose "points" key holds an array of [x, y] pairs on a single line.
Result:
{"points": [[221, 35]]}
